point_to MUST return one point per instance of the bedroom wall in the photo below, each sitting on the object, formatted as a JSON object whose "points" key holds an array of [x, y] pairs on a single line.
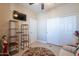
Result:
{"points": [[30, 17], [59, 11], [64, 10], [6, 11], [42, 27], [4, 18]]}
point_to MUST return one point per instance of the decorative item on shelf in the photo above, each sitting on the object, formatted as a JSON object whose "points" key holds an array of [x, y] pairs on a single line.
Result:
{"points": [[5, 45], [19, 16], [4, 37], [77, 35]]}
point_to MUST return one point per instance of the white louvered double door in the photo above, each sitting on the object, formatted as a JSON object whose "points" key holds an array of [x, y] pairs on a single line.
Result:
{"points": [[60, 30]]}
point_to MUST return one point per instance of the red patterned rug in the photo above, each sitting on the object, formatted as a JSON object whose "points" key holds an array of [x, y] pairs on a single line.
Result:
{"points": [[38, 51]]}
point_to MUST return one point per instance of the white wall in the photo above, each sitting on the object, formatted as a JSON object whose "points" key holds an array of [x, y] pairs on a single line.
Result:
{"points": [[77, 22], [64, 10], [60, 11], [42, 27], [31, 18], [33, 30], [4, 18]]}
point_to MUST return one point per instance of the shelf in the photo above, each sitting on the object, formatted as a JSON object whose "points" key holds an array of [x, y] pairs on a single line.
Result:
{"points": [[13, 29], [13, 21], [25, 41], [13, 52], [13, 36], [4, 54], [19, 32], [24, 24], [13, 48], [24, 34], [13, 43], [25, 29]]}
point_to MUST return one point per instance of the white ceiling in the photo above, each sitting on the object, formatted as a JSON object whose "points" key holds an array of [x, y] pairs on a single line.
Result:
{"points": [[47, 6]]}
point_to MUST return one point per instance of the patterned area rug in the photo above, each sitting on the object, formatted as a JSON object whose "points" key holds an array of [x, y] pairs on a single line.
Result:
{"points": [[38, 51]]}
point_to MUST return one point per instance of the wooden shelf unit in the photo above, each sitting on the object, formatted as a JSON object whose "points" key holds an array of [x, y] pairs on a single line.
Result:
{"points": [[24, 36], [13, 37]]}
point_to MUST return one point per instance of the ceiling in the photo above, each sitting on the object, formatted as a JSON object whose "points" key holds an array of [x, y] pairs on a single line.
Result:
{"points": [[47, 6]]}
